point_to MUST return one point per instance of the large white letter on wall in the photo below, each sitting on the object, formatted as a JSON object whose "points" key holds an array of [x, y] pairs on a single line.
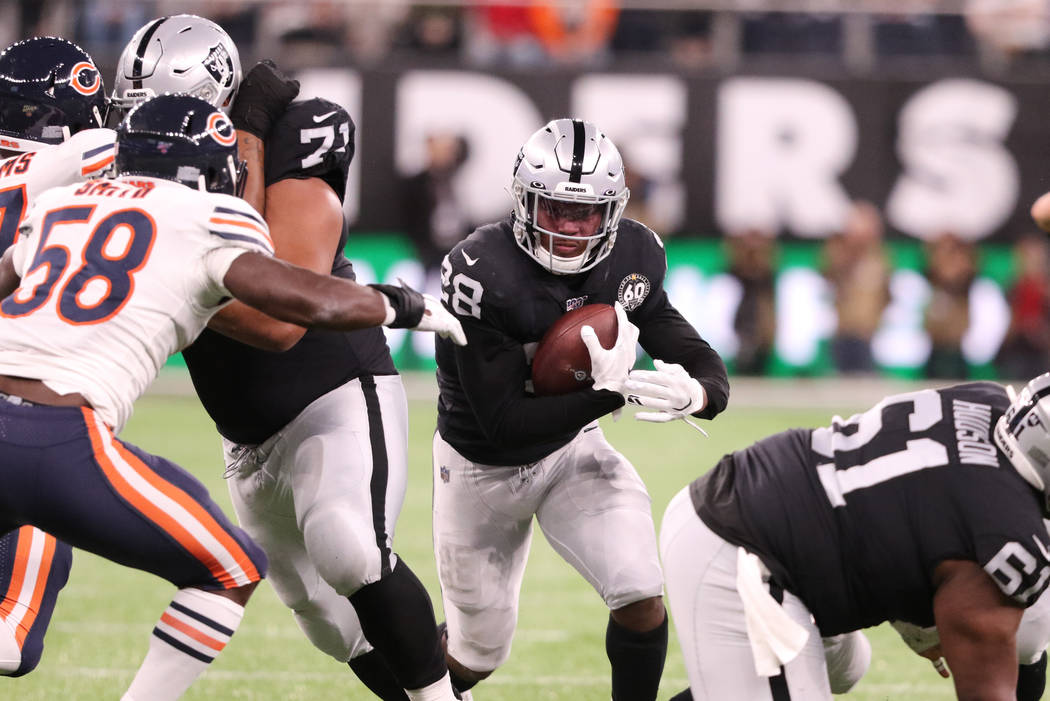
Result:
{"points": [[644, 115], [343, 87], [781, 145], [493, 115], [958, 176]]}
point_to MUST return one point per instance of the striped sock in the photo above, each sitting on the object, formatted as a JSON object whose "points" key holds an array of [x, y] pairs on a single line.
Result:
{"points": [[192, 631]]}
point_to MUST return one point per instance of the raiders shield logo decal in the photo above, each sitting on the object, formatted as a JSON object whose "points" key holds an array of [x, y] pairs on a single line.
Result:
{"points": [[633, 290]]}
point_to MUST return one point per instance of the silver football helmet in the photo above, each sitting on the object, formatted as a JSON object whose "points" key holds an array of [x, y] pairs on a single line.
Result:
{"points": [[177, 54], [568, 161], [1023, 434]]}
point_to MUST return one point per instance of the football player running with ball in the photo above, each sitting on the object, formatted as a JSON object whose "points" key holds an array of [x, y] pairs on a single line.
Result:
{"points": [[314, 436], [503, 456]]}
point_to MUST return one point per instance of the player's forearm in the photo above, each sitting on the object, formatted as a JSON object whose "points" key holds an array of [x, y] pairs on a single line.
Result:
{"points": [[299, 296], [250, 326], [250, 148]]}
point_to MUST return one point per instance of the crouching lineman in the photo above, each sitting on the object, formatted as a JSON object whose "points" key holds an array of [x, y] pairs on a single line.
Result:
{"points": [[928, 508], [107, 279], [51, 105]]}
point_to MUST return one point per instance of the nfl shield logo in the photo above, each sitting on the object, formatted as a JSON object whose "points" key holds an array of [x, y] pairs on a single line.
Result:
{"points": [[444, 474]]}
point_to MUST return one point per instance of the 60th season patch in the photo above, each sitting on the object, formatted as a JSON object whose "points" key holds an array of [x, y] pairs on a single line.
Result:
{"points": [[633, 290]]}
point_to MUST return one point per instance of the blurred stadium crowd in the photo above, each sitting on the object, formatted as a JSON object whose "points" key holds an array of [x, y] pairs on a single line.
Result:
{"points": [[696, 34]]}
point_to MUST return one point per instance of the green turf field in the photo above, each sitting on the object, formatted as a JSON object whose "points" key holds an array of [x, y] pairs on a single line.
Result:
{"points": [[105, 614]]}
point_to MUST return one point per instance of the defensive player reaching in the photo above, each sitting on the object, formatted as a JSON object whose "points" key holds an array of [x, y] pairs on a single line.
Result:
{"points": [[315, 437], [51, 103], [927, 508], [107, 279], [503, 456]]}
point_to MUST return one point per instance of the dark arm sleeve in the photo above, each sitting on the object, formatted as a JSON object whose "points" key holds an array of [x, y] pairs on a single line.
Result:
{"points": [[492, 372], [665, 334]]}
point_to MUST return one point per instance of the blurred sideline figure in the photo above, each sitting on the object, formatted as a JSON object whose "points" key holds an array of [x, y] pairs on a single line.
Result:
{"points": [[119, 274], [315, 435], [858, 270], [925, 510], [504, 456], [51, 105]]}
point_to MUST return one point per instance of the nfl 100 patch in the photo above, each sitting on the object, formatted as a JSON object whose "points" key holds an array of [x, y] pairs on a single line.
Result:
{"points": [[633, 290], [575, 303], [445, 474]]}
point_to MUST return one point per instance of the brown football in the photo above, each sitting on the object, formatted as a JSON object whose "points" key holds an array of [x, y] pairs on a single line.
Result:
{"points": [[562, 363]]}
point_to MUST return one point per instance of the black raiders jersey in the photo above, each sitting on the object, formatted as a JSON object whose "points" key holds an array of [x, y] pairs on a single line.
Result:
{"points": [[854, 518], [251, 393], [506, 301]]}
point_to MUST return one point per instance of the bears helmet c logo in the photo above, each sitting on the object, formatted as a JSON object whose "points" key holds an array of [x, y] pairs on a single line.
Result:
{"points": [[85, 78]]}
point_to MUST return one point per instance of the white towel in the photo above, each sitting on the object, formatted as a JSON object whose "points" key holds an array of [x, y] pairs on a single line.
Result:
{"points": [[775, 638]]}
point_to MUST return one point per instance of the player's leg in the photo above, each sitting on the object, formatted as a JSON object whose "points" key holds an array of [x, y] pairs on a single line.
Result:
{"points": [[597, 516], [34, 567], [482, 533], [1032, 637], [848, 657], [708, 614], [139, 510], [265, 510], [347, 469]]}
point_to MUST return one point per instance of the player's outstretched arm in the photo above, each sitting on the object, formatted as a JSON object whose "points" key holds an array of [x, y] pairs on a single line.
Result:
{"points": [[306, 220], [303, 297], [978, 628]]}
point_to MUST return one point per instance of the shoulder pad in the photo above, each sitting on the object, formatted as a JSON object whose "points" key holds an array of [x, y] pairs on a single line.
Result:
{"points": [[93, 149], [313, 139]]}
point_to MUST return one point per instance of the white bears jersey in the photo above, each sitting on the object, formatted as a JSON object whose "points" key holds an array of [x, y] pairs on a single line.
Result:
{"points": [[23, 177], [116, 275]]}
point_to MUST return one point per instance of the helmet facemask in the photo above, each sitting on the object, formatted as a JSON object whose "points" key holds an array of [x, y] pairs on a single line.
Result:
{"points": [[568, 172], [1023, 435]]}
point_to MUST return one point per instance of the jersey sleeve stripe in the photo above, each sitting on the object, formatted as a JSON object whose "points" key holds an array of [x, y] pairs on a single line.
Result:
{"points": [[96, 151], [230, 236], [89, 168], [224, 223], [239, 212]]}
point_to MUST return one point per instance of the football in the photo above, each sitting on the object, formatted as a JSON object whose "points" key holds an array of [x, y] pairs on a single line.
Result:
{"points": [[562, 363]]}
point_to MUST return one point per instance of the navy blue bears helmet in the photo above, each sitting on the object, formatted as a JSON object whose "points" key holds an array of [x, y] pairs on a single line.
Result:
{"points": [[181, 138], [49, 88]]}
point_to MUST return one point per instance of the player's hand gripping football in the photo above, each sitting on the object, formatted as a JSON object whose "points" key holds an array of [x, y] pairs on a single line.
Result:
{"points": [[610, 367], [264, 95], [669, 389]]}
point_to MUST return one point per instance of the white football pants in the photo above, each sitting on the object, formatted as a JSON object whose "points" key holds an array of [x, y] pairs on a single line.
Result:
{"points": [[591, 505], [321, 497]]}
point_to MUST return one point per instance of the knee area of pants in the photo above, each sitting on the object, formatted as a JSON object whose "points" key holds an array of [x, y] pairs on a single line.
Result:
{"points": [[848, 657]]}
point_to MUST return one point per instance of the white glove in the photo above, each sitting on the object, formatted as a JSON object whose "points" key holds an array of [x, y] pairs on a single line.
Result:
{"points": [[609, 368], [669, 389], [439, 320]]}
